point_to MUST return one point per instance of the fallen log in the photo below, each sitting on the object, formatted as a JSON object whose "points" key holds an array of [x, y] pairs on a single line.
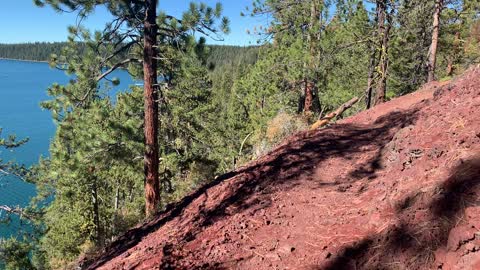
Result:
{"points": [[335, 114]]}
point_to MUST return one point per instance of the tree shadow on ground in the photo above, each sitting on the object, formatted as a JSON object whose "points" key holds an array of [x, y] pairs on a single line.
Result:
{"points": [[296, 158], [410, 245]]}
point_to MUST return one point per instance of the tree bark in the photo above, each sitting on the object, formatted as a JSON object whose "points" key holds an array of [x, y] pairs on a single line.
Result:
{"points": [[99, 233], [383, 33], [116, 204], [432, 58], [152, 184], [307, 107], [309, 90], [371, 75]]}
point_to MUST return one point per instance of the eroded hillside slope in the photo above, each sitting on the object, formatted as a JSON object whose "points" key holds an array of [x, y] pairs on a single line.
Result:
{"points": [[395, 187]]}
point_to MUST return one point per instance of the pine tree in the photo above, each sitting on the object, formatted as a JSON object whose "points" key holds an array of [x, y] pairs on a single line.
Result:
{"points": [[152, 185], [95, 152], [13, 252], [8, 168], [409, 46], [200, 18], [432, 58], [384, 10]]}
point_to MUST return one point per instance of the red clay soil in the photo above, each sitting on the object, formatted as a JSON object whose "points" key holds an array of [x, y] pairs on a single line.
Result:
{"points": [[394, 187]]}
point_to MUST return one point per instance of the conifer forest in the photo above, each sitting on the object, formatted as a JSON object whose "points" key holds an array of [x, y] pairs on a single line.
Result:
{"points": [[200, 110]]}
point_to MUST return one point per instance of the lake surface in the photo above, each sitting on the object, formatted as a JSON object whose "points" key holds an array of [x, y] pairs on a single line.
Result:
{"points": [[22, 87]]}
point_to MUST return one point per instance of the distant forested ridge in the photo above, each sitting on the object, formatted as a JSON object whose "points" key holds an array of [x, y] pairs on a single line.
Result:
{"points": [[218, 55], [221, 55], [38, 51]]}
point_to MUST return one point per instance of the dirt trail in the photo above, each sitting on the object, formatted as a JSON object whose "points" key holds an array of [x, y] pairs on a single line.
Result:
{"points": [[395, 187]]}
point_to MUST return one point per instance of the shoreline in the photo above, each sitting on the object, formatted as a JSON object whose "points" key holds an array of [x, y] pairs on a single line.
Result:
{"points": [[38, 61], [23, 60]]}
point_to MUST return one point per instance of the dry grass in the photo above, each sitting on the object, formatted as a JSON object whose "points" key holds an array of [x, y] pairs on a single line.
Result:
{"points": [[280, 127]]}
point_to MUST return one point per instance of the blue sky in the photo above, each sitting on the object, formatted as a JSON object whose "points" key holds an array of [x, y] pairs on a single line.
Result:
{"points": [[21, 21]]}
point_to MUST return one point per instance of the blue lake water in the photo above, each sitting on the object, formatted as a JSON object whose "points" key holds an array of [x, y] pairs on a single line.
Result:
{"points": [[22, 87]]}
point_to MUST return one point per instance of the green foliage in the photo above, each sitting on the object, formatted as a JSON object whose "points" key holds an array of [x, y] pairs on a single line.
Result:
{"points": [[220, 106], [330, 52], [22, 253], [221, 57], [15, 254], [218, 56], [95, 170], [345, 45], [410, 39], [7, 167], [472, 44], [11, 141]]}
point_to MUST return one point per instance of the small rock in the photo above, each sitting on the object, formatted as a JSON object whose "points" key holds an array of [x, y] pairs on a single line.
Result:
{"points": [[286, 249], [273, 256], [470, 247]]}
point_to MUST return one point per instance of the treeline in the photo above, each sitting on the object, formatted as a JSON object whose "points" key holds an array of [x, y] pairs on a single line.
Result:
{"points": [[218, 107], [223, 56], [38, 51], [219, 56]]}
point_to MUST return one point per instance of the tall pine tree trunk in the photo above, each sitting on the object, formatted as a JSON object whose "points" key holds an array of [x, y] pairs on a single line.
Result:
{"points": [[383, 33], [152, 184], [432, 58], [371, 75], [310, 87], [308, 91]]}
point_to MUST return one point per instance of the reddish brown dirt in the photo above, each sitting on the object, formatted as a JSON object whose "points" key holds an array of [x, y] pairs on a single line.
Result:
{"points": [[395, 187]]}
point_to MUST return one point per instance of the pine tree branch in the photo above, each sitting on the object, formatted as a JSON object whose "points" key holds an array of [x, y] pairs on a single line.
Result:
{"points": [[121, 49], [18, 211], [114, 67], [105, 74]]}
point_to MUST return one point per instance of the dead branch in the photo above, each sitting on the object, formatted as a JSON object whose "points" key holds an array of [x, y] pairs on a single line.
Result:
{"points": [[17, 211], [335, 114]]}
